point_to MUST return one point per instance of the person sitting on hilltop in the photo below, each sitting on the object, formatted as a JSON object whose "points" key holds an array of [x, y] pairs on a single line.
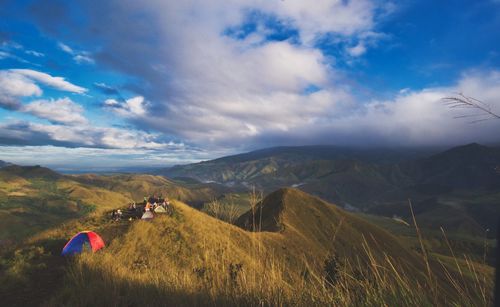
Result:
{"points": [[168, 206], [166, 203], [153, 199], [131, 207], [119, 214], [147, 207]]}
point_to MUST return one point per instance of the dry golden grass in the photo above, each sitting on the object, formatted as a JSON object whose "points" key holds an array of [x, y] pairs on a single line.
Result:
{"points": [[192, 259]]}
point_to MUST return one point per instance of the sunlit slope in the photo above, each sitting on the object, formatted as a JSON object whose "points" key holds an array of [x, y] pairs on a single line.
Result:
{"points": [[36, 198], [33, 198], [194, 259], [138, 186]]}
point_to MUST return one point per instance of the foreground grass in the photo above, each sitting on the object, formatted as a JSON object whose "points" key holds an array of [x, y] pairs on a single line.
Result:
{"points": [[191, 259]]}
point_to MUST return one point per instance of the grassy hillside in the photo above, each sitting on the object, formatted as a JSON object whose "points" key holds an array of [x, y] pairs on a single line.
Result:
{"points": [[303, 251], [137, 186], [34, 198]]}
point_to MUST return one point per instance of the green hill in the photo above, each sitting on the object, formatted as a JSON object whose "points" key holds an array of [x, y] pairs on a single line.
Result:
{"points": [[34, 198], [137, 186]]}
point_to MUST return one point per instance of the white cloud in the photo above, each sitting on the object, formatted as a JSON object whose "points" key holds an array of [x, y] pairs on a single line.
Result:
{"points": [[17, 85], [346, 18], [133, 107], [84, 135], [412, 118], [7, 55], [35, 53], [63, 111], [4, 55], [13, 86], [357, 50], [80, 57], [46, 79], [65, 48], [96, 159], [215, 87], [11, 45]]}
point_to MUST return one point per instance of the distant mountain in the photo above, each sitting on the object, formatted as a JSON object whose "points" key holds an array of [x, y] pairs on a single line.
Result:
{"points": [[342, 171], [464, 181], [471, 166], [353, 176], [3, 164]]}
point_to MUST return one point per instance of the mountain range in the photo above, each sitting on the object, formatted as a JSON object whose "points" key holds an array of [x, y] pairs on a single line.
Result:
{"points": [[464, 180]]}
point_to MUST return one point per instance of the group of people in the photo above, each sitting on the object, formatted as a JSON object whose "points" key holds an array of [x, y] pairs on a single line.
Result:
{"points": [[150, 205], [153, 202]]}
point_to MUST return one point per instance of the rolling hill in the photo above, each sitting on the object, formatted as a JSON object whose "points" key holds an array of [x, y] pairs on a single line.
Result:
{"points": [[34, 198], [304, 251]]}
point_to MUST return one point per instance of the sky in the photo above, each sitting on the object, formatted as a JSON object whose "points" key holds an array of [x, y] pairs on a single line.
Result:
{"points": [[122, 83]]}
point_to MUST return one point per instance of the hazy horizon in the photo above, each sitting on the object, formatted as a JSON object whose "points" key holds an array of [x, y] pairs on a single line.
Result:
{"points": [[74, 166]]}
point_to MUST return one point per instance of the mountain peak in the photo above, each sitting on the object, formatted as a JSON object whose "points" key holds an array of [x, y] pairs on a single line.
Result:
{"points": [[267, 214], [286, 209]]}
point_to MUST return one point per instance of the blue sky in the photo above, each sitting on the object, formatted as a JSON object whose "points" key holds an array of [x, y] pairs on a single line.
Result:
{"points": [[123, 83]]}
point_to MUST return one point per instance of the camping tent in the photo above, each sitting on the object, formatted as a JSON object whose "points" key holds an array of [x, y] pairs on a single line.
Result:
{"points": [[160, 209], [83, 239], [148, 215]]}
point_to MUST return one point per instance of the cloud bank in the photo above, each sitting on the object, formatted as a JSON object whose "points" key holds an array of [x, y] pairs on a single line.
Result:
{"points": [[222, 78]]}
